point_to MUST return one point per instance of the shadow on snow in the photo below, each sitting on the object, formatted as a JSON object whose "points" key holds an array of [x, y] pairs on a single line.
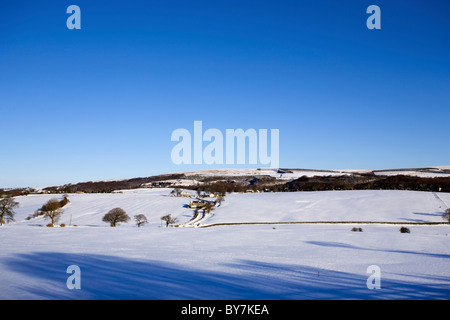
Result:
{"points": [[112, 277]]}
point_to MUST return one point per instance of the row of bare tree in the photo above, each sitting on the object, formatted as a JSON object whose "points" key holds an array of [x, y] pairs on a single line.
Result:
{"points": [[118, 215], [53, 210]]}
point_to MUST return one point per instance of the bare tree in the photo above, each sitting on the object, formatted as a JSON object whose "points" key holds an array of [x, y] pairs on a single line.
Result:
{"points": [[169, 219], [208, 207], [116, 215], [220, 199], [7, 206], [140, 219], [52, 210]]}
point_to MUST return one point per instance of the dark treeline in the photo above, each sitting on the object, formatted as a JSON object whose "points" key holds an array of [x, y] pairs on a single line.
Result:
{"points": [[110, 186], [227, 184], [369, 182], [324, 183]]}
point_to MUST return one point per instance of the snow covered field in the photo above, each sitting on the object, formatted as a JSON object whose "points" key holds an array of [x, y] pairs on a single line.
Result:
{"points": [[359, 205], [291, 174], [414, 173], [293, 261]]}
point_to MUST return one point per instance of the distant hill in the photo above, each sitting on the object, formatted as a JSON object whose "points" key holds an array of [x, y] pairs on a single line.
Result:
{"points": [[266, 180]]}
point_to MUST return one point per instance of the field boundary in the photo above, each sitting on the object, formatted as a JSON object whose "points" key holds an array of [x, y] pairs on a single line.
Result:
{"points": [[440, 199], [320, 222]]}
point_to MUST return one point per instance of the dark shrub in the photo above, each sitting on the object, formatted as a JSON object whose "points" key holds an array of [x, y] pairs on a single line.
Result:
{"points": [[446, 215], [404, 230], [64, 201]]}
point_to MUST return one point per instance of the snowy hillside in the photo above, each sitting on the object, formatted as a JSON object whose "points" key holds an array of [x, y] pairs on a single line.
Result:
{"points": [[263, 179], [359, 205], [88, 209], [438, 171], [276, 261]]}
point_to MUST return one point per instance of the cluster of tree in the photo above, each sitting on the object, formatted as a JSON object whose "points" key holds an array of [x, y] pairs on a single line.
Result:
{"points": [[220, 187], [110, 186], [369, 181], [404, 182], [322, 183], [16, 192], [366, 182], [118, 215], [52, 210], [224, 187]]}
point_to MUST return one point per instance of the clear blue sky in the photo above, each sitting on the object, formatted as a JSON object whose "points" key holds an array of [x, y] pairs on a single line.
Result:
{"points": [[102, 102]]}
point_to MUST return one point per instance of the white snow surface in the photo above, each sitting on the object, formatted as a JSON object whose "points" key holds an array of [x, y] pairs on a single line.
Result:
{"points": [[414, 173], [274, 261], [290, 174], [359, 205]]}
